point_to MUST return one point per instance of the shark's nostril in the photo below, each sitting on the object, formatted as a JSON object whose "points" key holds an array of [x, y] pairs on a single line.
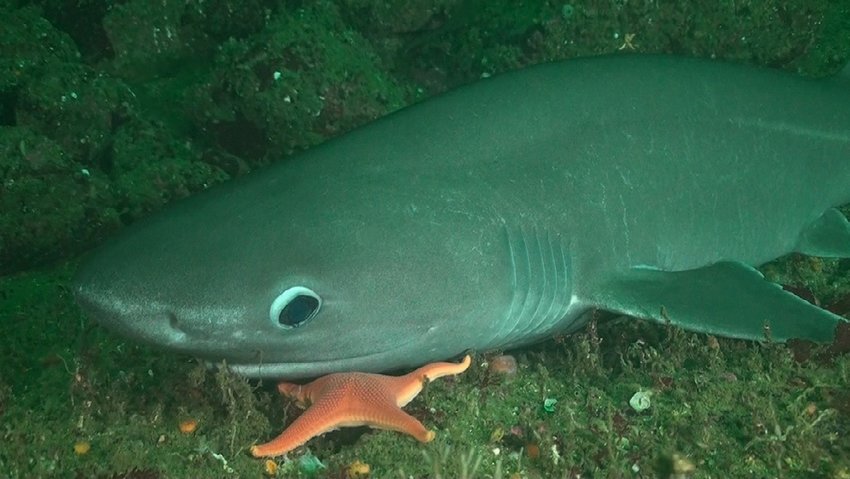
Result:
{"points": [[177, 331], [173, 321], [174, 328]]}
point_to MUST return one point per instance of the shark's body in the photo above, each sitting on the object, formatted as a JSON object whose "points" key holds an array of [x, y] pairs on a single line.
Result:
{"points": [[497, 215]]}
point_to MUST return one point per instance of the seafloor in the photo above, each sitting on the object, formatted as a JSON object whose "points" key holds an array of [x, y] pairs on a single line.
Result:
{"points": [[109, 110]]}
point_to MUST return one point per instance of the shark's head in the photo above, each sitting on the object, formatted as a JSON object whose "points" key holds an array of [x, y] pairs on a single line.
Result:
{"points": [[285, 274]]}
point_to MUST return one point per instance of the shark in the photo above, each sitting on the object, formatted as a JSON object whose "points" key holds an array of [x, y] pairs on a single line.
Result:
{"points": [[500, 214]]}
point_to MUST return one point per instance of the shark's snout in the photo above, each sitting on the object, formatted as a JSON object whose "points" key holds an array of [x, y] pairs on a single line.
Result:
{"points": [[151, 324]]}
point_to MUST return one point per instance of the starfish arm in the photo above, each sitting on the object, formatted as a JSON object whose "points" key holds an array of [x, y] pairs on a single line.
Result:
{"points": [[311, 423], [437, 370], [397, 420], [293, 391], [408, 386]]}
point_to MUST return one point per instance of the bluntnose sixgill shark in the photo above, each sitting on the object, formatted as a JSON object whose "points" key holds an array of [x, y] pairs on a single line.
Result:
{"points": [[497, 215]]}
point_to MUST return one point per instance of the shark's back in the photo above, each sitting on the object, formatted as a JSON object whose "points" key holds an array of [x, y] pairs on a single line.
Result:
{"points": [[664, 158]]}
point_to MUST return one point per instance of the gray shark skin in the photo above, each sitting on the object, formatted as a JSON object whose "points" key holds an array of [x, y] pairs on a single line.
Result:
{"points": [[497, 215]]}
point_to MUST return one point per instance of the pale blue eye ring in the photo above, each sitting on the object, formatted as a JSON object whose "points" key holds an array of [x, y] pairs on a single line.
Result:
{"points": [[294, 307]]}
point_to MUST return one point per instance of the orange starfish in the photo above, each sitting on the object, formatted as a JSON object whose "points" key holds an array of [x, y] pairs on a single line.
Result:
{"points": [[356, 399]]}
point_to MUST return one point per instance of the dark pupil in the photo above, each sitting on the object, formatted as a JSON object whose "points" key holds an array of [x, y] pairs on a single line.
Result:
{"points": [[298, 310]]}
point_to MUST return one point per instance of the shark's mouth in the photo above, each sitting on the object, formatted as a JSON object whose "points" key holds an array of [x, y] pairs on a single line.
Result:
{"points": [[382, 361]]}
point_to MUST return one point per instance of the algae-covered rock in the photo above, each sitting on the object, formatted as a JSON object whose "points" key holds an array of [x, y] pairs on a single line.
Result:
{"points": [[147, 38], [306, 77], [51, 204], [149, 168], [30, 45], [76, 107]]}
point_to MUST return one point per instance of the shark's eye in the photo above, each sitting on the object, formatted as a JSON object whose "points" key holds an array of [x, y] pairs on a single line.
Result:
{"points": [[294, 307]]}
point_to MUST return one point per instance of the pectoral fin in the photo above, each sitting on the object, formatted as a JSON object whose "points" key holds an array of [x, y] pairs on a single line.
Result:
{"points": [[727, 298]]}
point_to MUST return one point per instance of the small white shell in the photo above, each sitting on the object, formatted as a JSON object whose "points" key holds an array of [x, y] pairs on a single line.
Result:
{"points": [[640, 401]]}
